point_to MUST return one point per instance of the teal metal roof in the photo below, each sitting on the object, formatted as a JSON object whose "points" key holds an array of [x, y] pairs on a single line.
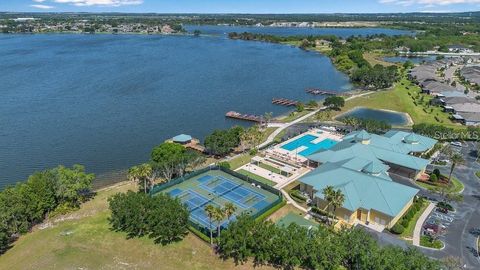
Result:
{"points": [[182, 138], [361, 190], [374, 167], [390, 148], [362, 136]]}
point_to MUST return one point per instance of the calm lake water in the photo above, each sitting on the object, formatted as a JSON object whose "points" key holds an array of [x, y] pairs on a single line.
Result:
{"points": [[395, 119], [105, 100], [292, 31], [415, 60]]}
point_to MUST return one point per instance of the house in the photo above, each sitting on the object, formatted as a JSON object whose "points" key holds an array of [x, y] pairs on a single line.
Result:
{"points": [[432, 86], [469, 119], [459, 49], [362, 166], [471, 74], [466, 107]]}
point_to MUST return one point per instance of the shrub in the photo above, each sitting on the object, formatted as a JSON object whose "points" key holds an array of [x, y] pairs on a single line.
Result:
{"points": [[433, 178], [436, 172], [397, 229], [296, 195], [224, 165]]}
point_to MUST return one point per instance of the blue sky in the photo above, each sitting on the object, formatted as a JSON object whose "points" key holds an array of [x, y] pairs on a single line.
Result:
{"points": [[241, 6]]}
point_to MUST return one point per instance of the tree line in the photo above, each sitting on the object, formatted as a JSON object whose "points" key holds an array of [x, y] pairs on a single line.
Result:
{"points": [[44, 194], [319, 248], [370, 125], [223, 142]]}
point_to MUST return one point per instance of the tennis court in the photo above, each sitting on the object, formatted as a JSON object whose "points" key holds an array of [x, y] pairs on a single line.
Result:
{"points": [[216, 188]]}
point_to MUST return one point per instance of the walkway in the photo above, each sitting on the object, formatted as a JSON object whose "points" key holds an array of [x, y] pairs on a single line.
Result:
{"points": [[418, 227], [292, 202], [281, 127]]}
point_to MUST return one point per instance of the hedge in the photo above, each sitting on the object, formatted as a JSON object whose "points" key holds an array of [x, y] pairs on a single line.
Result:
{"points": [[297, 196], [397, 229]]}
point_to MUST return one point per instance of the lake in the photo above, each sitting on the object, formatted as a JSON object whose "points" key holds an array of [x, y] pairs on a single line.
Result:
{"points": [[105, 100], [293, 31], [415, 60], [393, 118]]}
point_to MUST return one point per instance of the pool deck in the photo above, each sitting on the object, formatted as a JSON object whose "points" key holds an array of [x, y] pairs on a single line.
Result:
{"points": [[294, 153]]}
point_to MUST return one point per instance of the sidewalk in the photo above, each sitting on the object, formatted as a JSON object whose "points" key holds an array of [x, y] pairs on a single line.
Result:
{"points": [[418, 227]]}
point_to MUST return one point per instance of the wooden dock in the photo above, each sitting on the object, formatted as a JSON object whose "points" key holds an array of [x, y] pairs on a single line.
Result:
{"points": [[246, 117], [284, 102], [316, 91]]}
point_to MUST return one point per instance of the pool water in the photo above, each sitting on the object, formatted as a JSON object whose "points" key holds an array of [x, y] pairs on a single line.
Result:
{"points": [[306, 140]]}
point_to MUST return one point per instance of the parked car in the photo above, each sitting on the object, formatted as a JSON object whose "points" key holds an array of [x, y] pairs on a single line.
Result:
{"points": [[436, 228], [442, 210], [457, 144]]}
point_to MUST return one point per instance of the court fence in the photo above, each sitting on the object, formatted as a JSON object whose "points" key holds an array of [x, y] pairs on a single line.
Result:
{"points": [[204, 231]]}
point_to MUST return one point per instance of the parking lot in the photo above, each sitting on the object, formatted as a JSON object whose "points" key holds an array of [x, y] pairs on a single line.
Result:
{"points": [[461, 228]]}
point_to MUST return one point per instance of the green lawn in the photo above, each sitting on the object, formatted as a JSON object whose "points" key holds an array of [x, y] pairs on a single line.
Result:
{"points": [[376, 58], [398, 99], [408, 232], [270, 168], [478, 174], [257, 177], [455, 187], [293, 116], [84, 241], [425, 242], [240, 161]]}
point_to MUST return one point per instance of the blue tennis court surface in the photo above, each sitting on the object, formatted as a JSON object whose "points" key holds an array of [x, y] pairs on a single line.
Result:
{"points": [[306, 141], [217, 188]]}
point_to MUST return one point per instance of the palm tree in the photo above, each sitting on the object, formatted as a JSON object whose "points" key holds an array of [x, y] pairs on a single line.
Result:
{"points": [[210, 210], [229, 209], [218, 216], [337, 200], [141, 173], [328, 197], [268, 117], [456, 159]]}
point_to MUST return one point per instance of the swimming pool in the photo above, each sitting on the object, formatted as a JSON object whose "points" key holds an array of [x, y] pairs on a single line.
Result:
{"points": [[306, 140]]}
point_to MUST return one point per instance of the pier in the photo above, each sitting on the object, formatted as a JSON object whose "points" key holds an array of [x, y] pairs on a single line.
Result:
{"points": [[316, 91], [284, 102], [246, 117]]}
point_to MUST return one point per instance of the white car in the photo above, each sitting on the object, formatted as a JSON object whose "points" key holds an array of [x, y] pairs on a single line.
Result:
{"points": [[458, 144]]}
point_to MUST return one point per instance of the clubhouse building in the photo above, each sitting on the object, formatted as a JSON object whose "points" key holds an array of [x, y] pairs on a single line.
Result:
{"points": [[363, 166]]}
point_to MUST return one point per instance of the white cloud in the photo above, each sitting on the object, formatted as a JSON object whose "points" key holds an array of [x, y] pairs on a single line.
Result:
{"points": [[42, 6], [429, 3], [39, 1], [108, 3]]}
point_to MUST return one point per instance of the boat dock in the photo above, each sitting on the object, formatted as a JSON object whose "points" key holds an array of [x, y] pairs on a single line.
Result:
{"points": [[316, 91], [284, 102], [246, 117]]}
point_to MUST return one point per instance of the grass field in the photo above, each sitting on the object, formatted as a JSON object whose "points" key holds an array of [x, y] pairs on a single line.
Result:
{"points": [[240, 161], [257, 177], [375, 58], [293, 116], [402, 99], [270, 168], [83, 240]]}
